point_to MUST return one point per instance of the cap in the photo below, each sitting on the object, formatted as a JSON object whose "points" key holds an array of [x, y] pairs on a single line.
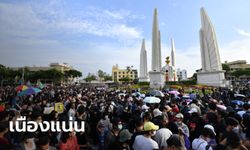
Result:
{"points": [[148, 126], [179, 115], [144, 107], [124, 135], [157, 112], [193, 110], [211, 128], [175, 140]]}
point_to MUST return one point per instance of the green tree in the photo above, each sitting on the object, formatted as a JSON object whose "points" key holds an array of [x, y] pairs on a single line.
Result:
{"points": [[125, 79], [225, 67], [101, 74], [90, 77], [72, 73], [108, 78]]}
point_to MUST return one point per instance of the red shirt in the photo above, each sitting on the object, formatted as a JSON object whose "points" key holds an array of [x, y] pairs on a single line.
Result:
{"points": [[71, 144]]}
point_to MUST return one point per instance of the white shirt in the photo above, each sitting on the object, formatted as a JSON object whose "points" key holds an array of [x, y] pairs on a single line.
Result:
{"points": [[162, 136], [200, 144], [144, 143], [241, 113]]}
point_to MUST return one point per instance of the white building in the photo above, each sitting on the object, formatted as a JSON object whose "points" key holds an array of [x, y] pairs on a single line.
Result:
{"points": [[181, 74]]}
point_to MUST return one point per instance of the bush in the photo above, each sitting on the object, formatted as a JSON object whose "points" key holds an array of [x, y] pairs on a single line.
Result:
{"points": [[144, 83], [184, 82]]}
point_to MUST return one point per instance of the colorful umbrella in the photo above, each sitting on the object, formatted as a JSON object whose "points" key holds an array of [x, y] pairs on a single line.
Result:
{"points": [[21, 88], [237, 102], [29, 91], [152, 100], [174, 92]]}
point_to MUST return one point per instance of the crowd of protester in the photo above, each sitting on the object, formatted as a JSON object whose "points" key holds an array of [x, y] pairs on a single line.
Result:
{"points": [[120, 120]]}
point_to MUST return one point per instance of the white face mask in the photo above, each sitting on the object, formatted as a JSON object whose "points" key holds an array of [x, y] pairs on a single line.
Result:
{"points": [[154, 132], [209, 140], [120, 126], [236, 129]]}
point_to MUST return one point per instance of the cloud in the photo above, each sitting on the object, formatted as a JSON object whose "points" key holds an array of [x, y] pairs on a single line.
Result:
{"points": [[35, 20], [242, 32]]}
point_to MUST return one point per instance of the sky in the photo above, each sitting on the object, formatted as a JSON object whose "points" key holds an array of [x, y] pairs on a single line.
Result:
{"points": [[97, 34]]}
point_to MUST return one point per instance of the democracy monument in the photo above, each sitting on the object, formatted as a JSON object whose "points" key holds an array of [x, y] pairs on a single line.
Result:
{"points": [[211, 73]]}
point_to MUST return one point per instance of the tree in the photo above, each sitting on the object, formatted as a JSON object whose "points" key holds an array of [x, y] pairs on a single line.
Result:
{"points": [[125, 79], [72, 73], [90, 77], [226, 67], [101, 74], [241, 72], [108, 78]]}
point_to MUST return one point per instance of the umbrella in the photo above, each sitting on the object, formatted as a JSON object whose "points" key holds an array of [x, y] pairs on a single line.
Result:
{"points": [[237, 102], [29, 91], [223, 107], [239, 95], [186, 96], [21, 88], [152, 100], [174, 92], [156, 93]]}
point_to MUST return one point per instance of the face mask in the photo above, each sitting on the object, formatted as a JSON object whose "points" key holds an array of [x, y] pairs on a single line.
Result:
{"points": [[154, 132], [236, 129], [120, 126], [209, 140]]}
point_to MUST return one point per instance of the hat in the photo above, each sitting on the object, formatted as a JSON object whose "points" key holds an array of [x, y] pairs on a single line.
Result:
{"points": [[193, 110], [157, 112], [176, 141], [168, 108], [124, 135], [144, 107], [179, 115], [148, 126], [208, 126]]}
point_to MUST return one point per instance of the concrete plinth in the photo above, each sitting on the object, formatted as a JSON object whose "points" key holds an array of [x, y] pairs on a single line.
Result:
{"points": [[157, 79], [143, 79], [212, 78]]}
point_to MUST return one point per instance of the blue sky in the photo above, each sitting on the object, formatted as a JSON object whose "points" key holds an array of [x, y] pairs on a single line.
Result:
{"points": [[96, 34]]}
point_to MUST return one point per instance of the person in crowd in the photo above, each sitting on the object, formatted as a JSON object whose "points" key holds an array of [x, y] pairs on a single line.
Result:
{"points": [[68, 141], [174, 143], [4, 142], [179, 121], [42, 143], [202, 143], [111, 140], [137, 131], [145, 141], [124, 140], [163, 133]]}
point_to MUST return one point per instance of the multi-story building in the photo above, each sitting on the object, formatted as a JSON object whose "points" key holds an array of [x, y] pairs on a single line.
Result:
{"points": [[118, 74], [237, 65], [234, 66], [181, 74], [62, 67]]}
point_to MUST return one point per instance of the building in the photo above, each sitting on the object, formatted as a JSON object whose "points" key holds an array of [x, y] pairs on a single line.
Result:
{"points": [[118, 74], [234, 66], [62, 67], [237, 65], [181, 74]]}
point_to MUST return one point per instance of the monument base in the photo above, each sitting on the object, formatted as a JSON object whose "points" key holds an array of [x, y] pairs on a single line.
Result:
{"points": [[143, 79], [157, 79], [214, 78]]}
